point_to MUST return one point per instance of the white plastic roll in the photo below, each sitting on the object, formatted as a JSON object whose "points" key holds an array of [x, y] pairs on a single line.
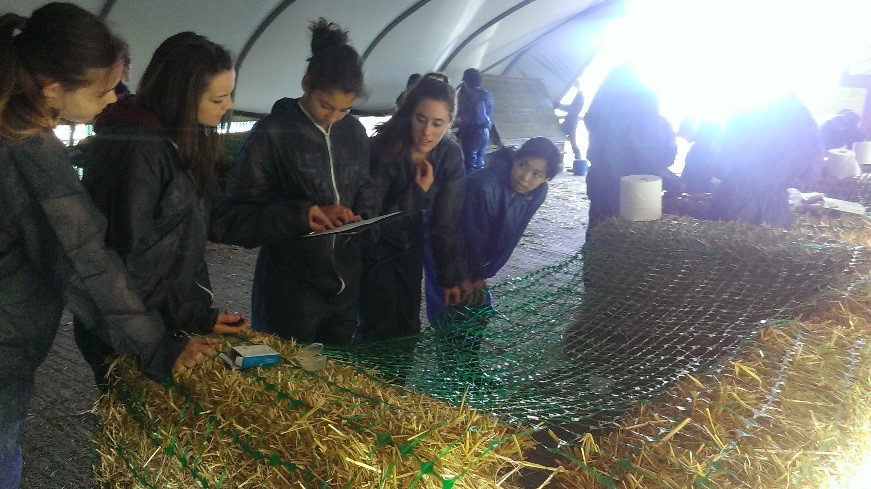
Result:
{"points": [[862, 150], [841, 163], [641, 197]]}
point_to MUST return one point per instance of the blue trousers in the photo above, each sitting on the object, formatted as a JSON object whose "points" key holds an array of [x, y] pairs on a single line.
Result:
{"points": [[474, 142], [10, 455]]}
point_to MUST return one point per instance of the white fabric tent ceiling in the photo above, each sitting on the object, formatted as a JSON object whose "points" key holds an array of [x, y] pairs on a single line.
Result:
{"points": [[553, 40]]}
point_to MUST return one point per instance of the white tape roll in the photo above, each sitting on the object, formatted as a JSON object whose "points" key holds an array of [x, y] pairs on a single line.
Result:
{"points": [[841, 163], [641, 197], [862, 150]]}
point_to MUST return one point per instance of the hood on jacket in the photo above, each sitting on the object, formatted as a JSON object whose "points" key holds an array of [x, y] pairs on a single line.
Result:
{"points": [[285, 106], [126, 112]]}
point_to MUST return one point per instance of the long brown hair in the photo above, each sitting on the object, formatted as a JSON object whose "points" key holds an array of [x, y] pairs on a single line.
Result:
{"points": [[175, 80], [396, 131], [60, 42]]}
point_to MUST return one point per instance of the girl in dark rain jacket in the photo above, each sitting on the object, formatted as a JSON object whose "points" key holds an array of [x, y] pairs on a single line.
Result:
{"points": [[417, 168], [150, 169], [63, 63], [308, 153]]}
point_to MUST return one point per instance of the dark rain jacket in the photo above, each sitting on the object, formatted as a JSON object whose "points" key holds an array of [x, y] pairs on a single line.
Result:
{"points": [[495, 215], [286, 157], [52, 253], [440, 207], [157, 222], [391, 291]]}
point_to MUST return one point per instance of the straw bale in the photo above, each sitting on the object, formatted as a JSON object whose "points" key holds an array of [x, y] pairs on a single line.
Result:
{"points": [[281, 426]]}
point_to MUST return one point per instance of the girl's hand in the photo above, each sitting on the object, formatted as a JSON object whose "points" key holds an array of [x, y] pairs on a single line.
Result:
{"points": [[318, 221], [229, 323], [339, 214], [423, 174], [452, 296], [196, 351]]}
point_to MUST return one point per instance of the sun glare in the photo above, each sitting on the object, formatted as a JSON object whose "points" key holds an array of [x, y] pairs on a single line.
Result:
{"points": [[709, 58]]}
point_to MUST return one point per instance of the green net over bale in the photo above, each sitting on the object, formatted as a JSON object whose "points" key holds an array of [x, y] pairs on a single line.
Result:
{"points": [[670, 353], [283, 426], [577, 344]]}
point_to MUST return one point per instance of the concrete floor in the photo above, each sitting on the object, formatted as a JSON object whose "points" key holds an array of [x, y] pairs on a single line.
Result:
{"points": [[58, 451]]}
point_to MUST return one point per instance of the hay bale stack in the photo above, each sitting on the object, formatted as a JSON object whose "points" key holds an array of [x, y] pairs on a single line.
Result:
{"points": [[792, 409], [284, 427]]}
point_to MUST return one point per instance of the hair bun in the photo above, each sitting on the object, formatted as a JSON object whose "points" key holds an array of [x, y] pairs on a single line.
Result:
{"points": [[10, 22], [326, 34]]}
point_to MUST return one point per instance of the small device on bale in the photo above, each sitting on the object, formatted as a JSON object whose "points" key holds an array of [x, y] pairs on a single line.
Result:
{"points": [[247, 356]]}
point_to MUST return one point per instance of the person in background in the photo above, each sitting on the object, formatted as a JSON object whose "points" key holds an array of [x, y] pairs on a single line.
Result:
{"points": [[151, 169], [842, 130], [61, 63], [475, 113], [309, 153], [417, 167], [412, 79], [570, 122], [627, 136], [700, 174], [765, 151]]}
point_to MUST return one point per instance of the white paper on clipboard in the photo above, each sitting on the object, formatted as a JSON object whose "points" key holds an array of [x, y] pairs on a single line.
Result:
{"points": [[354, 225]]}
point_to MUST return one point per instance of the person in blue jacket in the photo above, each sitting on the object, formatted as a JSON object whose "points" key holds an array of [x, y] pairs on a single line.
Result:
{"points": [[309, 153], [62, 62], [500, 201]]}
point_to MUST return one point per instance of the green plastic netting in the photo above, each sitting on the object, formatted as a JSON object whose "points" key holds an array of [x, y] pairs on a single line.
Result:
{"points": [[674, 341], [576, 344]]}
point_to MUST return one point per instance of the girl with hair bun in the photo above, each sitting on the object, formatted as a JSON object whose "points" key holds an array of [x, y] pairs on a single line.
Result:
{"points": [[62, 64], [308, 152]]}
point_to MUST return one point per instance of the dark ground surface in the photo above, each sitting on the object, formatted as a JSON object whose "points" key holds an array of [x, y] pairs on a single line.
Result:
{"points": [[58, 447]]}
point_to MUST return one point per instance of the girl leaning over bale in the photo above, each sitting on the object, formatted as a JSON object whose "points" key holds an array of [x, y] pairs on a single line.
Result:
{"points": [[151, 168], [61, 63]]}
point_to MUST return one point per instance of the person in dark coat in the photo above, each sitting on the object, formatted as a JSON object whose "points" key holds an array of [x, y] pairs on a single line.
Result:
{"points": [[766, 151], [52, 253], [570, 122], [150, 169], [701, 174], [417, 168], [475, 113], [308, 153], [627, 136], [842, 130]]}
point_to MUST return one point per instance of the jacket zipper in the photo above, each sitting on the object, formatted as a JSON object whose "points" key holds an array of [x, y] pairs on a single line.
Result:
{"points": [[338, 199]]}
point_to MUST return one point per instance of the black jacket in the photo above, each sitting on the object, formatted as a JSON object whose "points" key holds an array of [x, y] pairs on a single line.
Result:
{"points": [[433, 215], [157, 222], [495, 215], [286, 157], [52, 253]]}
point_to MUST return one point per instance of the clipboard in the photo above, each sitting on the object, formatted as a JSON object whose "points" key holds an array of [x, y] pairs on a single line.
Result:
{"points": [[355, 226]]}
